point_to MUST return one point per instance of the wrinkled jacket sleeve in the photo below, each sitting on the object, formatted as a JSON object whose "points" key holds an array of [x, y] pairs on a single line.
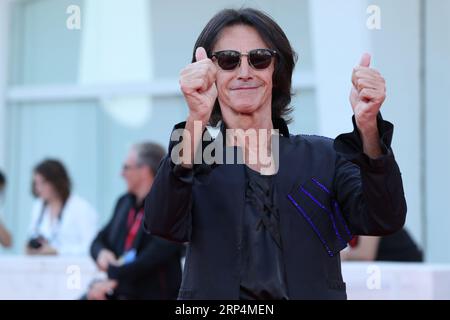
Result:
{"points": [[369, 191], [168, 204]]}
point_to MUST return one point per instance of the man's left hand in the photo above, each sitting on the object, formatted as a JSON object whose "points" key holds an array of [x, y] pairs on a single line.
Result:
{"points": [[367, 95]]}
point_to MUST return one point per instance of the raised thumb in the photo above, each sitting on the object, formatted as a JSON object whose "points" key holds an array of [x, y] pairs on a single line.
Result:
{"points": [[365, 60], [200, 54]]}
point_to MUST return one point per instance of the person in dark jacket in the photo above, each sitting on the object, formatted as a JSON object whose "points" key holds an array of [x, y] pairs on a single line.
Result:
{"points": [[398, 247], [139, 265], [267, 218]]}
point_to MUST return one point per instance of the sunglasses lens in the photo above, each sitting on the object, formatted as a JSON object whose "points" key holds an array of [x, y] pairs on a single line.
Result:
{"points": [[261, 58], [228, 60]]}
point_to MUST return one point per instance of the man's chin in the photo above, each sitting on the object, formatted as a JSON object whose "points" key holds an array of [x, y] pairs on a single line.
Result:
{"points": [[245, 109]]}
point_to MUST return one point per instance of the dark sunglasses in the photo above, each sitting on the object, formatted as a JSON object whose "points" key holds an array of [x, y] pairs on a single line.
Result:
{"points": [[127, 167], [258, 59]]}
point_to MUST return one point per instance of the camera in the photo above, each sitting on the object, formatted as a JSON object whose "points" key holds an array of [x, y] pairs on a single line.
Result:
{"points": [[36, 242]]}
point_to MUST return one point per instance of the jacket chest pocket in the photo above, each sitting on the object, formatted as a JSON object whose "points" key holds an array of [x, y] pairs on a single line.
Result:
{"points": [[314, 202]]}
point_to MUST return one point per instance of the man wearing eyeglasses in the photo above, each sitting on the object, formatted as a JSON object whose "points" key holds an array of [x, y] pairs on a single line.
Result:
{"points": [[269, 230], [138, 265]]}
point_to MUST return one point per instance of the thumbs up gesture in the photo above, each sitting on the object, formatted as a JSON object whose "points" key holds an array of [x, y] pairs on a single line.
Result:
{"points": [[367, 94], [197, 82]]}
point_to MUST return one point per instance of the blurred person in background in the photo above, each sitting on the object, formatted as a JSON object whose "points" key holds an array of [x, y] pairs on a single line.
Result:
{"points": [[5, 236], [138, 265], [398, 247], [61, 222]]}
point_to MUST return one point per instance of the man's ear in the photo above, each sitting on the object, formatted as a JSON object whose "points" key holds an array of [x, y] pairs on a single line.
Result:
{"points": [[149, 172]]}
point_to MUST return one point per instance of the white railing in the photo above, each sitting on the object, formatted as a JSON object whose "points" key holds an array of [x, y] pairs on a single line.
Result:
{"points": [[42, 278], [396, 281], [23, 277]]}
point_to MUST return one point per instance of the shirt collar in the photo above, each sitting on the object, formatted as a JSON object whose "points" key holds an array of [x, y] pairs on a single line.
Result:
{"points": [[278, 123]]}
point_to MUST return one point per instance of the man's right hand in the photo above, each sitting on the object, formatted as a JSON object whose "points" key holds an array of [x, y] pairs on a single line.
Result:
{"points": [[100, 289], [105, 258], [198, 84]]}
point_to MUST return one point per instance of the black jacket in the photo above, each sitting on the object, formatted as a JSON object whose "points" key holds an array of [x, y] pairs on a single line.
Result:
{"points": [[327, 191], [156, 271]]}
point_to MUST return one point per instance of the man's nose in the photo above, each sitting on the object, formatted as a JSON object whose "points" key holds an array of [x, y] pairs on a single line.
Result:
{"points": [[244, 69]]}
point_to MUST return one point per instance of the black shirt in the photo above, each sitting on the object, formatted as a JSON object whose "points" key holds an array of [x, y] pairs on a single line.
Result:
{"points": [[263, 275]]}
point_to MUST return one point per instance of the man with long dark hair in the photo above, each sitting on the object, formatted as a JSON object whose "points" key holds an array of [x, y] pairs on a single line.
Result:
{"points": [[269, 229]]}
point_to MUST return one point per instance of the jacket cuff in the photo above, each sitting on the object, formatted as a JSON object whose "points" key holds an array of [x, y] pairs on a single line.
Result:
{"points": [[184, 174], [350, 146], [95, 250]]}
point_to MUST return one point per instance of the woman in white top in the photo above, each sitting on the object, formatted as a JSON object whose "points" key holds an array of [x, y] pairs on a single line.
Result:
{"points": [[61, 222]]}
